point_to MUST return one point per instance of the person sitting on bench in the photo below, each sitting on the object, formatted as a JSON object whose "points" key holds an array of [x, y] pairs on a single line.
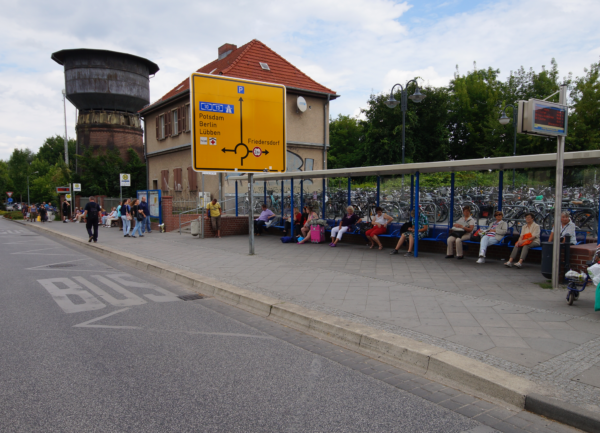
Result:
{"points": [[492, 235], [460, 231], [530, 238], [567, 228], [410, 233]]}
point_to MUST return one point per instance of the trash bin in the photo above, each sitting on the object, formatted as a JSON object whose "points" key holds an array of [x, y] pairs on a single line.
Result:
{"points": [[195, 227], [547, 258]]}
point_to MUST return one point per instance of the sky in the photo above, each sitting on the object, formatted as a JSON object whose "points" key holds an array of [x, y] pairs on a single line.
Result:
{"points": [[355, 47]]}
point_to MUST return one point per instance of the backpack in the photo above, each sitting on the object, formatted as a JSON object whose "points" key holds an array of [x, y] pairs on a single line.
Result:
{"points": [[93, 213], [119, 211]]}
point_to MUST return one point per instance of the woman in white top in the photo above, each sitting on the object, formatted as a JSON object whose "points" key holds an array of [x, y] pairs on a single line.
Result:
{"points": [[380, 223], [567, 228], [462, 230], [492, 235], [111, 217]]}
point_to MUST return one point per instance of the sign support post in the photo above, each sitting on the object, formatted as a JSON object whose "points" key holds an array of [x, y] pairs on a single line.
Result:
{"points": [[203, 206], [560, 150], [251, 213]]}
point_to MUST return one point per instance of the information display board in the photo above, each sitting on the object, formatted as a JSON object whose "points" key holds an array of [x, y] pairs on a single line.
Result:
{"points": [[542, 118], [237, 125]]}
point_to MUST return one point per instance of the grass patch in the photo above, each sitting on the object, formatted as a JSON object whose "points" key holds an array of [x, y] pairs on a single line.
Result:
{"points": [[546, 284]]}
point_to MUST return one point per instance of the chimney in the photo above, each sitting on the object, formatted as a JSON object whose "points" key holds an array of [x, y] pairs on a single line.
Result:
{"points": [[225, 50]]}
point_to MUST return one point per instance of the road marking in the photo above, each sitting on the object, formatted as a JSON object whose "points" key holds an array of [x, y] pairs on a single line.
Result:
{"points": [[87, 324], [168, 296], [60, 296], [45, 267], [130, 298], [37, 251]]}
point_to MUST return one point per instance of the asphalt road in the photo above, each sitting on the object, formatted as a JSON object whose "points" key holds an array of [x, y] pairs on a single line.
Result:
{"points": [[91, 345]]}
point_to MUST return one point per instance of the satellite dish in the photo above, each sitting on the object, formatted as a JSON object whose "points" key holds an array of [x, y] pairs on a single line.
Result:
{"points": [[301, 104]]}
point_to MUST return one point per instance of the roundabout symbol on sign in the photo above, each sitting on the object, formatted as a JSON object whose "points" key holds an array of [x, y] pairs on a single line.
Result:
{"points": [[256, 151]]}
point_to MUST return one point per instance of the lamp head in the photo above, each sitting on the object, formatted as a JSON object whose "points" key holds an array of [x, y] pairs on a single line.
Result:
{"points": [[504, 119], [391, 102], [417, 96]]}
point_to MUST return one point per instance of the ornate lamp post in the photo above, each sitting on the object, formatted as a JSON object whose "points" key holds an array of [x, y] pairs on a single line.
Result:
{"points": [[392, 102], [504, 120]]}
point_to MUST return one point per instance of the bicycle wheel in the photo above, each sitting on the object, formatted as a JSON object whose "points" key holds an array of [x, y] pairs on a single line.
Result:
{"points": [[586, 221], [548, 223]]}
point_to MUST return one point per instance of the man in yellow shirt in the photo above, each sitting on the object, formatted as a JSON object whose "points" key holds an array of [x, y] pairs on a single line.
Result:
{"points": [[214, 210]]}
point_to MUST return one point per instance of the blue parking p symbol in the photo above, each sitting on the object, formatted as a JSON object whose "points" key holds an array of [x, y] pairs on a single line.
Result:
{"points": [[240, 89]]}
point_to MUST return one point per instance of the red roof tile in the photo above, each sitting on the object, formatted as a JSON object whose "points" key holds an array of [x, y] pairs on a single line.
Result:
{"points": [[244, 62]]}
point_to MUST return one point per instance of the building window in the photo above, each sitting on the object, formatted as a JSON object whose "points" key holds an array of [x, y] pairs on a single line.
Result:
{"points": [[309, 164], [162, 127], [175, 122], [177, 179], [189, 117], [155, 184]]}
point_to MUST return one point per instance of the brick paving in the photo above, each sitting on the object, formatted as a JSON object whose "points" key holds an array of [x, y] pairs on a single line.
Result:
{"points": [[499, 316]]}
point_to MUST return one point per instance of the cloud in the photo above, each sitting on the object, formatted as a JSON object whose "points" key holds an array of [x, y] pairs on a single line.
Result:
{"points": [[355, 47]]}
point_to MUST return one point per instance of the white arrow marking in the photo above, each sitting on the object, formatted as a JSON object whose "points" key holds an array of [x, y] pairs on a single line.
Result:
{"points": [[87, 324]]}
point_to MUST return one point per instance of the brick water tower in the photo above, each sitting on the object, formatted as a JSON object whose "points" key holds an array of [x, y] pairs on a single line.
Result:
{"points": [[108, 88]]}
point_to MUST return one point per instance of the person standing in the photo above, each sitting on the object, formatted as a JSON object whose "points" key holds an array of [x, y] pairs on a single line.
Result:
{"points": [[138, 216], [126, 217], [33, 213], [214, 209], [91, 213], [146, 209], [43, 213], [65, 211]]}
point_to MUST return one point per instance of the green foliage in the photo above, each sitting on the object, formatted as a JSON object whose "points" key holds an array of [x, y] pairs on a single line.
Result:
{"points": [[346, 142], [18, 166], [584, 122], [100, 173], [5, 180], [53, 150], [460, 121], [13, 215]]}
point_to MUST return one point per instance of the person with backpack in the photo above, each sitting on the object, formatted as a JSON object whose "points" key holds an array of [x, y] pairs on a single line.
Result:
{"points": [[91, 212], [138, 216]]}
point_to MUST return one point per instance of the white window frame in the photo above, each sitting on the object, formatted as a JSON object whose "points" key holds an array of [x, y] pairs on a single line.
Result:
{"points": [[162, 126], [175, 129]]}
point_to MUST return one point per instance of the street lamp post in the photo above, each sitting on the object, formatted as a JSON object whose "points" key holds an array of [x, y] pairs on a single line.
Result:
{"points": [[392, 102], [28, 202], [504, 120]]}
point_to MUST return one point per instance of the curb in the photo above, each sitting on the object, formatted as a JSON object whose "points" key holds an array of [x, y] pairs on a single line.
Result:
{"points": [[449, 368]]}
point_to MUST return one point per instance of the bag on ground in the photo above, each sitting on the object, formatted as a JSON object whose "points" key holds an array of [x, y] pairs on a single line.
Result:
{"points": [[594, 273], [597, 306], [317, 234]]}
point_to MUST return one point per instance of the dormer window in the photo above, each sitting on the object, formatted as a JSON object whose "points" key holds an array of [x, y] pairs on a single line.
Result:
{"points": [[264, 66]]}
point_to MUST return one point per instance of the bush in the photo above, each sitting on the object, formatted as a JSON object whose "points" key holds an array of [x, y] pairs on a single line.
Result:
{"points": [[15, 215]]}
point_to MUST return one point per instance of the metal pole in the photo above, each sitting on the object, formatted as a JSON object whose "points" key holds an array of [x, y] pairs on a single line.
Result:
{"points": [[236, 199], [412, 191], [403, 120], [515, 114], [349, 191], [301, 195], [251, 213], [500, 188], [28, 202], [598, 214], [451, 217], [291, 207], [265, 193], [378, 189], [560, 148], [323, 199], [203, 206], [67, 146], [282, 201], [416, 221]]}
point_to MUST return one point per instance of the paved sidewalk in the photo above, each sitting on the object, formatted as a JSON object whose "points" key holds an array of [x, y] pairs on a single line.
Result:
{"points": [[499, 316]]}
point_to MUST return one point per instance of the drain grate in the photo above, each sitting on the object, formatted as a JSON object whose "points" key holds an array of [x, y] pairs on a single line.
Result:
{"points": [[61, 265], [190, 297]]}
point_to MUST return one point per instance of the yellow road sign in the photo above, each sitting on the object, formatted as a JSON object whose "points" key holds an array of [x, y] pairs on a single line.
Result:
{"points": [[237, 125]]}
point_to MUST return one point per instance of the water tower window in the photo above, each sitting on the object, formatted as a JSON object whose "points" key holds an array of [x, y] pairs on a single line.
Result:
{"points": [[175, 125]]}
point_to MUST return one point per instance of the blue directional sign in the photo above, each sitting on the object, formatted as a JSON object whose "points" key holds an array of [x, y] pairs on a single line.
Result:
{"points": [[10, 200], [240, 89], [216, 108]]}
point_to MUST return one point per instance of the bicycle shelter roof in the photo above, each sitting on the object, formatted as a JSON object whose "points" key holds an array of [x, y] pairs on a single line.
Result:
{"points": [[590, 157]]}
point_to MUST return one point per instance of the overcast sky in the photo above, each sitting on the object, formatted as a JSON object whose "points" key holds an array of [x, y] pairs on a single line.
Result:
{"points": [[354, 47]]}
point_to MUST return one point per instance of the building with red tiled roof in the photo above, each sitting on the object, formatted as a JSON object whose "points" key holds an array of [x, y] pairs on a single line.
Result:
{"points": [[167, 121]]}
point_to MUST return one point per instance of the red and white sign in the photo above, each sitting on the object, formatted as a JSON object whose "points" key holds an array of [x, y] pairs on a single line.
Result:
{"points": [[257, 151], [9, 193], [212, 141]]}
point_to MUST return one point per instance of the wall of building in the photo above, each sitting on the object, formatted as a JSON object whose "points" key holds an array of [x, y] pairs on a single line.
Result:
{"points": [[305, 127]]}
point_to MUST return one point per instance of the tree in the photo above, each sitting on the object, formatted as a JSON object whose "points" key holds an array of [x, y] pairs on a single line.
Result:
{"points": [[53, 151], [584, 120], [5, 180], [100, 173], [346, 142], [18, 169]]}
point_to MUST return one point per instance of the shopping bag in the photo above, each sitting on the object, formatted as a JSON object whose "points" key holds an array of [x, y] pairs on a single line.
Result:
{"points": [[39, 219], [597, 307], [594, 273]]}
